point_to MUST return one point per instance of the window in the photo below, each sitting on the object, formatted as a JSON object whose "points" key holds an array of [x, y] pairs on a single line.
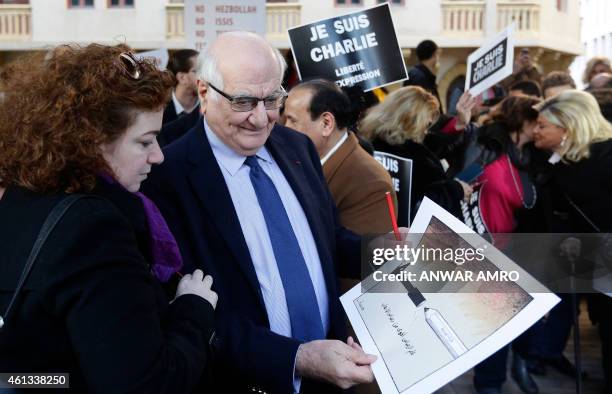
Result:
{"points": [[120, 3], [393, 2], [562, 5], [348, 2], [80, 3]]}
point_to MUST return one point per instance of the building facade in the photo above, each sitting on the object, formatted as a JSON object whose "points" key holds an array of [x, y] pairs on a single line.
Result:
{"points": [[550, 28], [596, 34]]}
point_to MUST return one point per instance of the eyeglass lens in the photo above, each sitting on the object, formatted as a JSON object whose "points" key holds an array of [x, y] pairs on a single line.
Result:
{"points": [[248, 103]]}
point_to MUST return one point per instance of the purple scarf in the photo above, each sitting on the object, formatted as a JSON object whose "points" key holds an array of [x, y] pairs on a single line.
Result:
{"points": [[164, 250]]}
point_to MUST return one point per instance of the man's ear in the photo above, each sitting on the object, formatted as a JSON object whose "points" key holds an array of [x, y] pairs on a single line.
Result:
{"points": [[181, 77], [328, 123], [202, 94]]}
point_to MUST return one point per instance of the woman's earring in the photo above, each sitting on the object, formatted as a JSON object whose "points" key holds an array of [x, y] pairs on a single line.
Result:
{"points": [[563, 141]]}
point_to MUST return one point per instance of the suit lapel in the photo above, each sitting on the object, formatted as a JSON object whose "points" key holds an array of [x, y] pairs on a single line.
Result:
{"points": [[335, 161], [210, 188]]}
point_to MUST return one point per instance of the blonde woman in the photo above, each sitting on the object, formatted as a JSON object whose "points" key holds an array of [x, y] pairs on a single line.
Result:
{"points": [[572, 126], [398, 126]]}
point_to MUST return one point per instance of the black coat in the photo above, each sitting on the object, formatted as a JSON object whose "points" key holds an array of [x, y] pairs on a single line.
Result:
{"points": [[588, 184], [169, 113], [91, 307], [428, 177], [175, 129]]}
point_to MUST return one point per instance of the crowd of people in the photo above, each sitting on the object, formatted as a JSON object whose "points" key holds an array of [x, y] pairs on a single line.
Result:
{"points": [[213, 265]]}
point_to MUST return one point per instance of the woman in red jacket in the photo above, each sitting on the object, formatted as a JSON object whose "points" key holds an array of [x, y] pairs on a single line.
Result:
{"points": [[506, 142], [506, 147]]}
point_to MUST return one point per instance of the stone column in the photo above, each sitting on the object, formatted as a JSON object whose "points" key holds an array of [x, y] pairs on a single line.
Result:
{"points": [[490, 22]]}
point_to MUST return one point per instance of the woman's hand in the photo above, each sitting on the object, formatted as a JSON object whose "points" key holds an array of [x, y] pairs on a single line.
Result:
{"points": [[464, 107], [199, 285], [467, 190]]}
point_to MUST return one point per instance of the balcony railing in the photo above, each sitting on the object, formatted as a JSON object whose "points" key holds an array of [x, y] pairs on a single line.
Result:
{"points": [[467, 18], [526, 14], [279, 18], [15, 22], [175, 21]]}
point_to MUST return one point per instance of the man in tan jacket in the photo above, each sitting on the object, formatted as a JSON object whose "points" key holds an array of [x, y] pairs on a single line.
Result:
{"points": [[357, 182]]}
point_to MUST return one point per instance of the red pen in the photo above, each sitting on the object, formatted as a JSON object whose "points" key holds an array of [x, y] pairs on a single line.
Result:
{"points": [[398, 236]]}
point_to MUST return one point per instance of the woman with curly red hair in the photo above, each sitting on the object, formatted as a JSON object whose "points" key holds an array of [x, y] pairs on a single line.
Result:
{"points": [[83, 122]]}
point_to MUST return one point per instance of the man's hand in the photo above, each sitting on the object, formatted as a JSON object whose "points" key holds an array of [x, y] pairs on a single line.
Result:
{"points": [[342, 364]]}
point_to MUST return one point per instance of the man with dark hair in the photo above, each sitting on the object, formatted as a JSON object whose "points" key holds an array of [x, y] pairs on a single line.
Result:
{"points": [[527, 88], [557, 82], [424, 73], [357, 182], [183, 65]]}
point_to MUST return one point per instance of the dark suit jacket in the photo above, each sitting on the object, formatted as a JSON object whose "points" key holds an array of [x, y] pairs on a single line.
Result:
{"points": [[174, 130], [169, 113], [91, 306], [190, 191]]}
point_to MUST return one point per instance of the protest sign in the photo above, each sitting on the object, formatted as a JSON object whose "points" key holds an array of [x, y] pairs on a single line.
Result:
{"points": [[206, 19], [491, 63], [400, 170], [160, 56], [360, 48]]}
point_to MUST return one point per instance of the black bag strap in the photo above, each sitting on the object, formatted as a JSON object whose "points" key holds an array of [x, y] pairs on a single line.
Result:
{"points": [[54, 217]]}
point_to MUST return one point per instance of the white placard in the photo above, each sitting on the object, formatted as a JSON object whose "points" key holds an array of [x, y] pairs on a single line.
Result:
{"points": [[490, 63], [425, 339], [206, 19], [159, 55]]}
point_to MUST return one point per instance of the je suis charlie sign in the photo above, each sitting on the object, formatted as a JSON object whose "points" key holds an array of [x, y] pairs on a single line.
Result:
{"points": [[490, 63], [360, 48]]}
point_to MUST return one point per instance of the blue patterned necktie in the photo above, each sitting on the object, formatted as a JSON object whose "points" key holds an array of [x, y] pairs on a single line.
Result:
{"points": [[301, 299]]}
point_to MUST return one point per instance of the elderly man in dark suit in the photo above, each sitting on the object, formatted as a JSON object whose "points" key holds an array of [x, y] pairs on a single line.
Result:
{"points": [[247, 202]]}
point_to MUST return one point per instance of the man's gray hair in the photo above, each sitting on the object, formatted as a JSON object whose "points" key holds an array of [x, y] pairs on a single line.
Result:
{"points": [[208, 64]]}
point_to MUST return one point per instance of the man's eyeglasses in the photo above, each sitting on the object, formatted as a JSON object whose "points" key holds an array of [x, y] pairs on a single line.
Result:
{"points": [[130, 65], [248, 103]]}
